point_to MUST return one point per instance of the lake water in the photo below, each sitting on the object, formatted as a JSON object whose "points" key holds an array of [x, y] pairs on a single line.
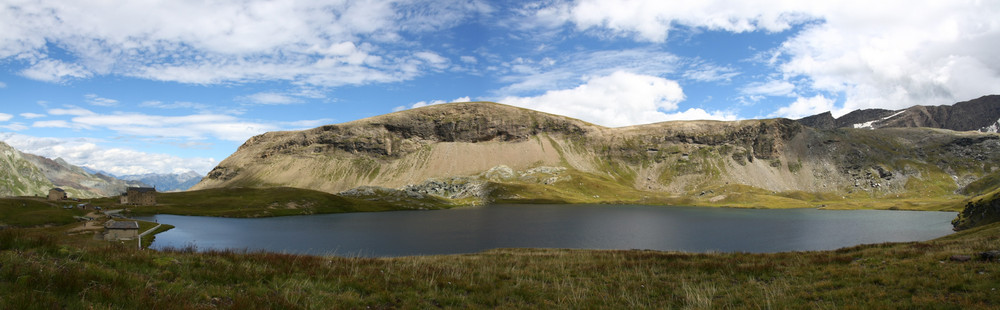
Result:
{"points": [[691, 229]]}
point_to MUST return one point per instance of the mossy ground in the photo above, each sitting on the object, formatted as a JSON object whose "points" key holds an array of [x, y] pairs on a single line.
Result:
{"points": [[42, 268]]}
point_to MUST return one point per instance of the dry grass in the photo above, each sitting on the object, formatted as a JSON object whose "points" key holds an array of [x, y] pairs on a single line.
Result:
{"points": [[40, 270]]}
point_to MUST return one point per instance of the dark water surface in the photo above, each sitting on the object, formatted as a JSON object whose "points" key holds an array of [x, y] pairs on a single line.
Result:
{"points": [[691, 229]]}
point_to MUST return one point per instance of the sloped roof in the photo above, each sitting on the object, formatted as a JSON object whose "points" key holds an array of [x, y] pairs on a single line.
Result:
{"points": [[142, 189], [122, 225]]}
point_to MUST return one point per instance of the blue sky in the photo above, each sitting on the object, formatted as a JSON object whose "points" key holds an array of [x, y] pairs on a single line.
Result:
{"points": [[134, 87]]}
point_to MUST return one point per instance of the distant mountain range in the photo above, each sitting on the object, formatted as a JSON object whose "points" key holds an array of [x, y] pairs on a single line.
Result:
{"points": [[24, 174], [982, 114], [167, 182]]}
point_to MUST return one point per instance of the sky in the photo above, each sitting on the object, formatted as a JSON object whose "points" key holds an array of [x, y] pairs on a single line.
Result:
{"points": [[133, 87]]}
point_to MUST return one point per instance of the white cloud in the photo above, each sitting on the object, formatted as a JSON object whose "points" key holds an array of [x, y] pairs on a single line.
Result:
{"points": [[15, 127], [770, 88], [804, 106], [32, 115], [49, 70], [432, 102], [175, 105], [469, 59], [652, 20], [710, 73], [888, 54], [5, 117], [3, 85], [76, 111], [197, 126], [327, 43], [270, 98], [619, 99], [100, 101], [52, 124], [119, 161], [529, 77]]}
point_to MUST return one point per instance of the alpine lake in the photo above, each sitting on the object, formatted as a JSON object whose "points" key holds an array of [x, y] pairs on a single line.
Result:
{"points": [[475, 229]]}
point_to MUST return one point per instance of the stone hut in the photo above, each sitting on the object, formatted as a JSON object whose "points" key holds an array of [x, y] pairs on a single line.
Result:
{"points": [[123, 230], [57, 194], [140, 196]]}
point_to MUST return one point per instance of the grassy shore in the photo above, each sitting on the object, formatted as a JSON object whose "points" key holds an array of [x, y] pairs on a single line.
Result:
{"points": [[44, 269]]}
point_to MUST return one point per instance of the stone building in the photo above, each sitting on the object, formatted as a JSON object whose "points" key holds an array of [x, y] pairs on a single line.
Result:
{"points": [[140, 196], [124, 230], [56, 194]]}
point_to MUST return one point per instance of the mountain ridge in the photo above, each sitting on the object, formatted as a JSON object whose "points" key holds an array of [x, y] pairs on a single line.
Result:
{"points": [[441, 148], [982, 114]]}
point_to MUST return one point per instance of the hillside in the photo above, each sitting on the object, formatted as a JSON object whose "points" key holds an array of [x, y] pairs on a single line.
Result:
{"points": [[32, 175], [18, 176], [981, 114], [485, 152], [77, 182]]}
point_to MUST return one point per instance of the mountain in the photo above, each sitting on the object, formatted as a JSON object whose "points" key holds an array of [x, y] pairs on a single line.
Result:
{"points": [[488, 152], [982, 114], [18, 176], [167, 182], [76, 181]]}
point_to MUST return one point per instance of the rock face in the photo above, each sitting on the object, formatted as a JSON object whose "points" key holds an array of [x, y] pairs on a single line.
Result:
{"points": [[982, 114], [452, 150]]}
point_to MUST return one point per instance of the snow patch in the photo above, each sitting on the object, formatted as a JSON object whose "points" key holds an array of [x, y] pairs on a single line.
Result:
{"points": [[871, 124], [992, 128]]}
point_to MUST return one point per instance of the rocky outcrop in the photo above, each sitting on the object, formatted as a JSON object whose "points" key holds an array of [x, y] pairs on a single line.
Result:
{"points": [[979, 211]]}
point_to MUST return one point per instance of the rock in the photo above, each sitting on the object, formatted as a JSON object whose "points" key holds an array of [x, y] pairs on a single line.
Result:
{"points": [[960, 258], [990, 256]]}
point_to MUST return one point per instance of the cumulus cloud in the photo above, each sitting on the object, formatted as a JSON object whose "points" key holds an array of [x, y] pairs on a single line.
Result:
{"points": [[888, 54], [326, 43], [618, 99], [119, 161], [805, 106], [5, 117]]}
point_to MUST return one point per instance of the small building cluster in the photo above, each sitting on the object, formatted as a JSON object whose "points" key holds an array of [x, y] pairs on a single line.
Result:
{"points": [[121, 230], [57, 194], [139, 196]]}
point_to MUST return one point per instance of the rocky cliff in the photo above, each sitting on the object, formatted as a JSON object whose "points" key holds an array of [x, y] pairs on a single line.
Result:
{"points": [[981, 114], [431, 150]]}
